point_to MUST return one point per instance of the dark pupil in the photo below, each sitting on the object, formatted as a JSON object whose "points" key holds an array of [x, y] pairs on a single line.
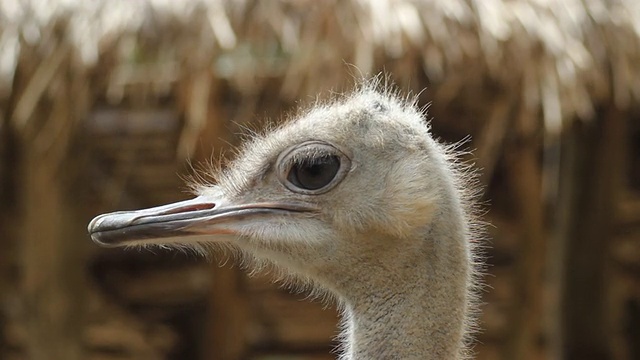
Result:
{"points": [[313, 174]]}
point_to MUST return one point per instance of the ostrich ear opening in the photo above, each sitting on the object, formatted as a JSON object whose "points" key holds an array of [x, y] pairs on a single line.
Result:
{"points": [[411, 201], [204, 218]]}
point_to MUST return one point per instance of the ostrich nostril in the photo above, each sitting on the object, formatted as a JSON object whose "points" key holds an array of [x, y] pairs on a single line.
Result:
{"points": [[190, 208]]}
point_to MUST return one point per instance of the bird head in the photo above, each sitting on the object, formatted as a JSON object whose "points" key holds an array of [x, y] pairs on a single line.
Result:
{"points": [[347, 182]]}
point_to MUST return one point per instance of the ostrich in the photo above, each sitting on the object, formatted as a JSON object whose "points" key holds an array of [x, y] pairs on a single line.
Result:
{"points": [[355, 197]]}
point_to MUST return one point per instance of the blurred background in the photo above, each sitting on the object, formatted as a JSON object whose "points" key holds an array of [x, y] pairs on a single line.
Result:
{"points": [[104, 106]]}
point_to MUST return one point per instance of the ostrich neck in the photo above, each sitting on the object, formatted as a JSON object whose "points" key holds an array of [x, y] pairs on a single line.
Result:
{"points": [[400, 302], [417, 310]]}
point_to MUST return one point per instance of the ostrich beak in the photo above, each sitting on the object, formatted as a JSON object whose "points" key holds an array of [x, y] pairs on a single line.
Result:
{"points": [[191, 220]]}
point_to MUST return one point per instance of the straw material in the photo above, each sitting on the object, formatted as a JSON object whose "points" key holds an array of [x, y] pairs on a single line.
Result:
{"points": [[555, 58]]}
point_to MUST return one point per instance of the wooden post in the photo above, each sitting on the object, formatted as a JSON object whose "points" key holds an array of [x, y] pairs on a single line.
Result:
{"points": [[206, 136], [7, 207], [525, 176], [52, 266], [598, 166], [227, 316], [226, 329], [560, 209], [52, 261], [8, 196]]}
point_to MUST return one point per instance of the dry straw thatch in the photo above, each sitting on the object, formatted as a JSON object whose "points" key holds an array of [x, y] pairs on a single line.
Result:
{"points": [[559, 59]]}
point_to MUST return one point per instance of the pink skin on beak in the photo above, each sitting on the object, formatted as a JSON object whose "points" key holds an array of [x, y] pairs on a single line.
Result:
{"points": [[203, 215]]}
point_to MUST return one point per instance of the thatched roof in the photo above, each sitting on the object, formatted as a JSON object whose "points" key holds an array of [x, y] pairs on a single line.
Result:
{"points": [[557, 60]]}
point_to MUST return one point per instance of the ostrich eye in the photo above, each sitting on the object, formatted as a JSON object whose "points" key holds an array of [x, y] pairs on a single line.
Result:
{"points": [[314, 174], [312, 167]]}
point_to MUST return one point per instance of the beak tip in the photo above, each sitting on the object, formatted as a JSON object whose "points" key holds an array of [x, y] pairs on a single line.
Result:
{"points": [[92, 225], [95, 222], [95, 227]]}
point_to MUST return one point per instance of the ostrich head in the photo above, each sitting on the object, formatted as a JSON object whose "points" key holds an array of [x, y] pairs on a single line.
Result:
{"points": [[353, 195]]}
